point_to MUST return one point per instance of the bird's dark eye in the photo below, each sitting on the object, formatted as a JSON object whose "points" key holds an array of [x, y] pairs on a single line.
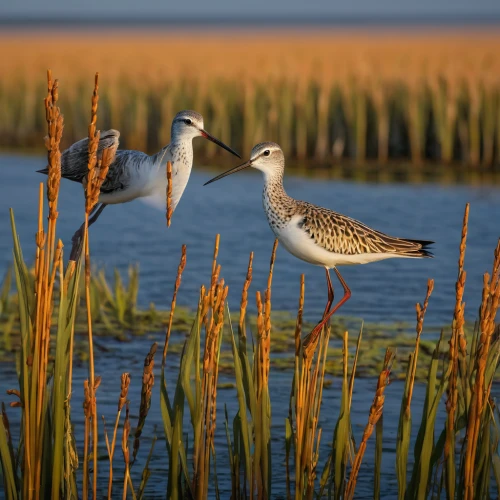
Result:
{"points": [[267, 152], [187, 121]]}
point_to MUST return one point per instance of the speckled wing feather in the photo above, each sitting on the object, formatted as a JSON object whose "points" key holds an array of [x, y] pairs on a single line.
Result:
{"points": [[340, 234], [74, 160]]}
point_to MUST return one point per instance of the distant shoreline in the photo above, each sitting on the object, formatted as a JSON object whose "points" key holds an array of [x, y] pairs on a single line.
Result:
{"points": [[253, 23]]}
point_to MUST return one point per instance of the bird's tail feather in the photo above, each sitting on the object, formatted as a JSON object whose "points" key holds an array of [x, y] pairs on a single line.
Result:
{"points": [[422, 251]]}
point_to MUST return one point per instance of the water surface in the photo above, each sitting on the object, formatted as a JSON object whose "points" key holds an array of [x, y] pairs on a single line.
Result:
{"points": [[384, 292]]}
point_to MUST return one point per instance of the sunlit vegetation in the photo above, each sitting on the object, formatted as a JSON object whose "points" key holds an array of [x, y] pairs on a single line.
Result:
{"points": [[459, 460], [325, 98]]}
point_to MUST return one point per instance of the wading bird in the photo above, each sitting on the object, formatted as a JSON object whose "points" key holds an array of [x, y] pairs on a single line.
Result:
{"points": [[134, 174], [317, 235]]}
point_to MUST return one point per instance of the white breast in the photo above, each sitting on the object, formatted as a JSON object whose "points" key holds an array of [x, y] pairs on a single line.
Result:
{"points": [[302, 246], [182, 162]]}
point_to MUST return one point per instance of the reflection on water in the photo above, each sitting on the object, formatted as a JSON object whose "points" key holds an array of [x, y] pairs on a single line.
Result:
{"points": [[385, 291]]}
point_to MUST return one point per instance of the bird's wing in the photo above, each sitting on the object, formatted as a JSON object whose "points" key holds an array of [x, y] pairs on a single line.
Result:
{"points": [[124, 166], [340, 234], [74, 160]]}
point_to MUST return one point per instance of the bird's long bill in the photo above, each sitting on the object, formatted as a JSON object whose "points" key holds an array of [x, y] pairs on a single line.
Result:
{"points": [[230, 171], [206, 135]]}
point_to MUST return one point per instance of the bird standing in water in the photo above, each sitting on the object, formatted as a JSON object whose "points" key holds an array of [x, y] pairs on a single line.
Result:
{"points": [[134, 174], [318, 235]]}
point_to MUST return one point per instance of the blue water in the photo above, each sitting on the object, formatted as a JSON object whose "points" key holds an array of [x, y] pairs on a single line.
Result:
{"points": [[382, 291], [385, 291]]}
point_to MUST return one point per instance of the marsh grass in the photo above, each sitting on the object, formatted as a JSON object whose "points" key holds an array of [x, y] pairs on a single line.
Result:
{"points": [[458, 459], [324, 98]]}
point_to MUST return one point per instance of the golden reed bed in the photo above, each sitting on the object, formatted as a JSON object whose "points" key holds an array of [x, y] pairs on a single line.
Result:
{"points": [[257, 55], [372, 94]]}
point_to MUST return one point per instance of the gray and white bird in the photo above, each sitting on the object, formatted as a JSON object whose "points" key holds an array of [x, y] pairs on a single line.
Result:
{"points": [[318, 235], [134, 174]]}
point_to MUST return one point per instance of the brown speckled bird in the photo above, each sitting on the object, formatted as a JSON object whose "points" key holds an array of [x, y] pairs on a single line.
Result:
{"points": [[317, 235]]}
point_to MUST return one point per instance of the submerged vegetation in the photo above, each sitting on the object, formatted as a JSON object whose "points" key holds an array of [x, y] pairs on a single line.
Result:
{"points": [[432, 97], [458, 460]]}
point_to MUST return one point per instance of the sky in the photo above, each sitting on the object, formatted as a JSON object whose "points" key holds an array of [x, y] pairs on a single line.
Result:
{"points": [[257, 9]]}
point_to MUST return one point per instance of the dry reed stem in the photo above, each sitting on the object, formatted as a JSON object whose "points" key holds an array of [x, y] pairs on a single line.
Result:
{"points": [[148, 380], [375, 414], [295, 393], [201, 455], [122, 400], [457, 334], [215, 269], [178, 279], [87, 409], [92, 188], [47, 262], [169, 193], [480, 393], [421, 310], [308, 407], [300, 313], [55, 124], [93, 144], [265, 334], [244, 295], [354, 366], [125, 450]]}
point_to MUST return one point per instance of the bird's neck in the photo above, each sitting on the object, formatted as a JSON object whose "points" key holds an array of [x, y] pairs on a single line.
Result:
{"points": [[277, 204], [180, 149]]}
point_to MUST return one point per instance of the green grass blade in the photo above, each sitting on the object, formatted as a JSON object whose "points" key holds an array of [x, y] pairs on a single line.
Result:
{"points": [[146, 472], [240, 390], [67, 314], [425, 438], [404, 433], [341, 438], [8, 465]]}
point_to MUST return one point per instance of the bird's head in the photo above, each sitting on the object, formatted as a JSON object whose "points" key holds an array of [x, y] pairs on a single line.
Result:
{"points": [[189, 124], [267, 157]]}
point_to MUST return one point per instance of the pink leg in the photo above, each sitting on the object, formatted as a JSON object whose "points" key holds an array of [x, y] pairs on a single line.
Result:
{"points": [[312, 338]]}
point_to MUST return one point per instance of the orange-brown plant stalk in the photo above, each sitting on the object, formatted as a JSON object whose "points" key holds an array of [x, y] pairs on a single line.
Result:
{"points": [[421, 310], [452, 390], [126, 452], [148, 380], [308, 388], [180, 270], [375, 414], [97, 171], [244, 295], [481, 392], [122, 400], [48, 258]]}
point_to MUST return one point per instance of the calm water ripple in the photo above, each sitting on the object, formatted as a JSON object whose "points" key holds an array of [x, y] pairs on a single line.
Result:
{"points": [[385, 291]]}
